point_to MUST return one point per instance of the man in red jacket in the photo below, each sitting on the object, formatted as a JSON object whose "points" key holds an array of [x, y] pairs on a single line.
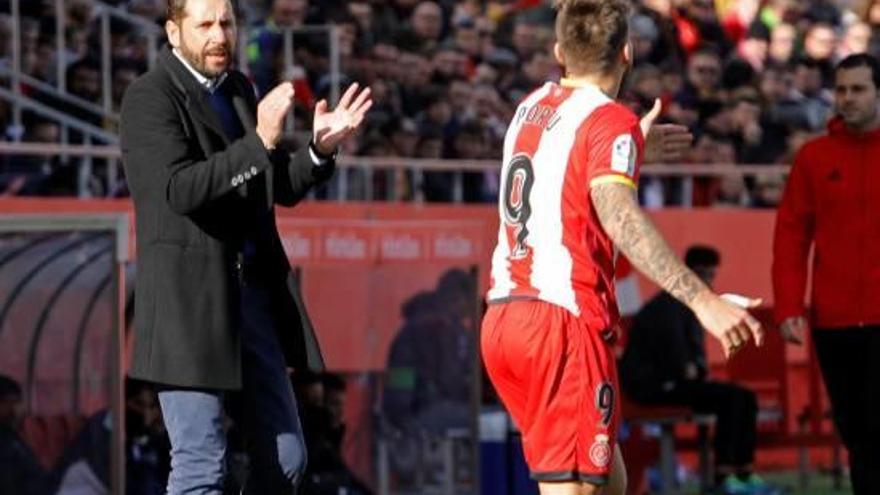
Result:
{"points": [[831, 202]]}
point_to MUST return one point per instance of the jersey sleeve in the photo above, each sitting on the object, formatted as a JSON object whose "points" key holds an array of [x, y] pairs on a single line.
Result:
{"points": [[614, 146]]}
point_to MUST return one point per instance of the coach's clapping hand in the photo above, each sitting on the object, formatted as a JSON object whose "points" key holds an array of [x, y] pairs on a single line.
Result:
{"points": [[664, 143], [271, 111], [331, 128]]}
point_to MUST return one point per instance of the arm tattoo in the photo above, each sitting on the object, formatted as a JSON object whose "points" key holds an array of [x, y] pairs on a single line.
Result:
{"points": [[635, 235]]}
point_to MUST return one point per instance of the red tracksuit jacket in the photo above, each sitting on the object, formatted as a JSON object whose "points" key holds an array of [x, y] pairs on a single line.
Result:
{"points": [[832, 200]]}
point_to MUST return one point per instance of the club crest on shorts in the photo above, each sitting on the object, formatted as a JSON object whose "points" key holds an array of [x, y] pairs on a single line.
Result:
{"points": [[600, 451]]}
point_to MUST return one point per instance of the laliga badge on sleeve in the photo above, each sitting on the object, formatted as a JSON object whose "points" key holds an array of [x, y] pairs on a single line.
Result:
{"points": [[623, 155]]}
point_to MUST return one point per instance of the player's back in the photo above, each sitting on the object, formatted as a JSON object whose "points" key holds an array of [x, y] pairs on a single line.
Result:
{"points": [[551, 246]]}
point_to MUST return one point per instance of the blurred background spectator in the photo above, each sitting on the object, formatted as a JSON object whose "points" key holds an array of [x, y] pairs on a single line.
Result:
{"points": [[20, 472]]}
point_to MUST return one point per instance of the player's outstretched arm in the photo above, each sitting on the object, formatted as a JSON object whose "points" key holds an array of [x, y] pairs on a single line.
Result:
{"points": [[634, 234]]}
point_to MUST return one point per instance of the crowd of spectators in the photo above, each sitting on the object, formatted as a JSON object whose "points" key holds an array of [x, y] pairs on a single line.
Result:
{"points": [[751, 78]]}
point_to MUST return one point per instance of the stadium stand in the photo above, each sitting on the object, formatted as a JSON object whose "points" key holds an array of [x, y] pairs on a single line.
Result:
{"points": [[750, 78]]}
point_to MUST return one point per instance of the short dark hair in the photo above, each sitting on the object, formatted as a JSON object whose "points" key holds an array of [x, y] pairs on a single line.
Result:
{"points": [[702, 256], [591, 33], [861, 60], [175, 10], [9, 387]]}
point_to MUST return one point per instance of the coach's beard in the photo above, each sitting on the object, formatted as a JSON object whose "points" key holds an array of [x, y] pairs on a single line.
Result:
{"points": [[202, 61]]}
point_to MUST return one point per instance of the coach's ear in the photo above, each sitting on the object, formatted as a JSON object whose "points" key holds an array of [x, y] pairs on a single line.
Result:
{"points": [[557, 52], [173, 32]]}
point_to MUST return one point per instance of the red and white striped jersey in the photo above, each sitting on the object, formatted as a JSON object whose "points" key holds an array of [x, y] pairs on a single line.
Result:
{"points": [[562, 140]]}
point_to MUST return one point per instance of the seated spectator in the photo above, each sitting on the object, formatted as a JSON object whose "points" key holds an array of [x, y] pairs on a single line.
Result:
{"points": [[524, 40], [698, 25], [35, 175], [809, 105], [437, 185], [856, 39], [85, 464], [535, 71], [665, 48], [265, 45], [755, 46], [423, 32], [782, 41], [664, 363], [466, 38], [732, 192], [644, 34], [710, 149], [767, 191], [424, 393], [703, 79], [20, 472], [470, 143], [321, 403], [819, 43]]}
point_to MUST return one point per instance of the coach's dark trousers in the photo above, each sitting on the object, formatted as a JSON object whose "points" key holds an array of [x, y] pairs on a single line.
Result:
{"points": [[194, 418], [850, 363]]}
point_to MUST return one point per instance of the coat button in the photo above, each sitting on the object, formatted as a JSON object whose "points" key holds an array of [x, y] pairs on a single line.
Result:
{"points": [[247, 176], [234, 181], [254, 170]]}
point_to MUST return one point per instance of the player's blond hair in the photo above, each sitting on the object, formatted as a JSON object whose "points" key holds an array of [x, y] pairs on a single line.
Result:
{"points": [[591, 33]]}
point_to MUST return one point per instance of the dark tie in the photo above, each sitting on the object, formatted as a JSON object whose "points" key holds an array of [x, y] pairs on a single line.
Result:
{"points": [[222, 104]]}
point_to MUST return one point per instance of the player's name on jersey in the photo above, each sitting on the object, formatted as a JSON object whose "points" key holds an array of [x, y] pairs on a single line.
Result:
{"points": [[540, 115]]}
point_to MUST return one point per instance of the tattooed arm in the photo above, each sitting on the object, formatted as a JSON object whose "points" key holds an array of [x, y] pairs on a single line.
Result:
{"points": [[634, 234]]}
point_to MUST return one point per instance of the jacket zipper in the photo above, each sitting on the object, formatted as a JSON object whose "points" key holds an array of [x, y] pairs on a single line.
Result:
{"points": [[863, 229]]}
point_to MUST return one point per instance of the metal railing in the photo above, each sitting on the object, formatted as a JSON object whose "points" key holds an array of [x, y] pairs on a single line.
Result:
{"points": [[332, 33], [104, 110], [368, 166], [104, 13]]}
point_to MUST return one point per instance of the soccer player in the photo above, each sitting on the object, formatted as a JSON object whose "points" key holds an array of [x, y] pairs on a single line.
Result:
{"points": [[567, 204]]}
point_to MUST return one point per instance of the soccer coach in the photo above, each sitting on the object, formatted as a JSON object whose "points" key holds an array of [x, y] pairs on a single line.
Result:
{"points": [[214, 308]]}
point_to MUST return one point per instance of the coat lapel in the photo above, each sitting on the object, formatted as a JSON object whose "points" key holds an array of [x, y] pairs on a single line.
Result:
{"points": [[195, 95]]}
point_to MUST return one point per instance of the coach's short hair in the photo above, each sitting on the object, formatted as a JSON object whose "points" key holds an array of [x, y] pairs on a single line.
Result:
{"points": [[861, 60], [175, 10], [591, 33]]}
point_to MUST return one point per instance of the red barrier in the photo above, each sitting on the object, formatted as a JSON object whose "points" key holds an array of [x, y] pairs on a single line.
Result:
{"points": [[356, 237]]}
